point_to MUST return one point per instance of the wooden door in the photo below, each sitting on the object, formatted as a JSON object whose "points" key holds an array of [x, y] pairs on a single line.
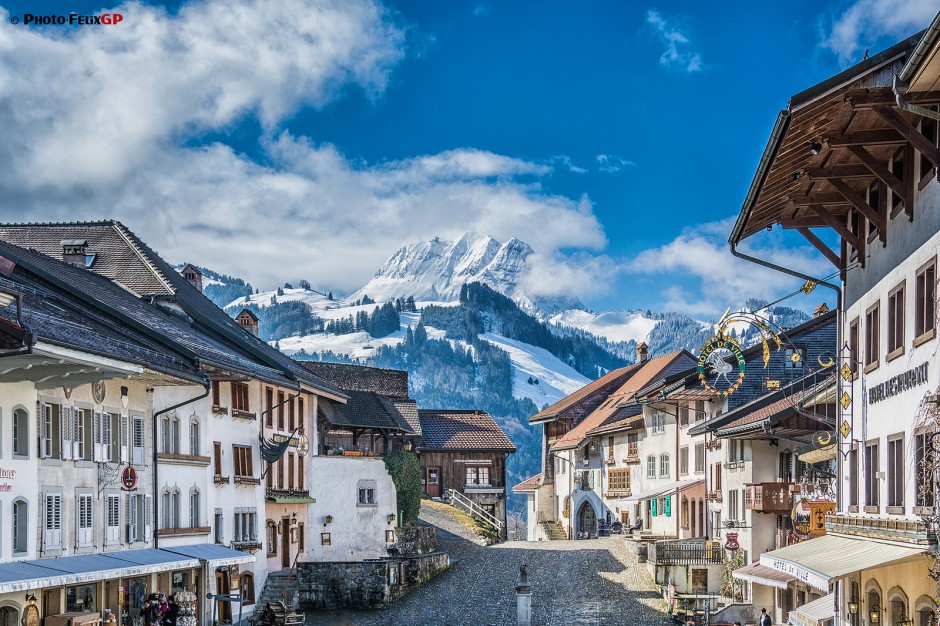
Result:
{"points": [[434, 482], [285, 542], [222, 587]]}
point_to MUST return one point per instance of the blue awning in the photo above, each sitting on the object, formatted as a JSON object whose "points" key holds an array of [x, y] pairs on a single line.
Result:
{"points": [[213, 554], [85, 568]]}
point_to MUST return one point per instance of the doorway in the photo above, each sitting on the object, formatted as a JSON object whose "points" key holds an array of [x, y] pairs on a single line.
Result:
{"points": [[285, 542], [434, 481], [222, 587], [587, 521]]}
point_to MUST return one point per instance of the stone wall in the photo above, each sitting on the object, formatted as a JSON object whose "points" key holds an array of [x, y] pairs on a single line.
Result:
{"points": [[416, 540], [365, 584]]}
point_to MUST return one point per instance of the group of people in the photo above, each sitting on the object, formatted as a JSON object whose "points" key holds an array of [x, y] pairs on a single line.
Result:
{"points": [[159, 610]]}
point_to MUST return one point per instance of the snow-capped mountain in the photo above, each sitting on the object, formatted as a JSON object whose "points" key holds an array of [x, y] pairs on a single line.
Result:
{"points": [[436, 270]]}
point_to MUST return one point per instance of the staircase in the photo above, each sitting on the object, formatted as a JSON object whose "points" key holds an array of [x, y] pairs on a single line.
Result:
{"points": [[274, 590], [470, 507], [554, 532]]}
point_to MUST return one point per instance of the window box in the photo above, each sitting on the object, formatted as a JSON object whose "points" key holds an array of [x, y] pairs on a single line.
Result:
{"points": [[611, 461], [247, 415], [219, 410], [221, 480], [184, 459], [247, 480], [183, 532], [631, 460], [247, 546]]}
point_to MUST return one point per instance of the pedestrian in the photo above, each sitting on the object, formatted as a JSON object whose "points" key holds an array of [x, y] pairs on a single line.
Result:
{"points": [[765, 619], [173, 610], [150, 610]]}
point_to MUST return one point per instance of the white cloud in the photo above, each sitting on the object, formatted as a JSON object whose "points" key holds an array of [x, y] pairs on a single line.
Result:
{"points": [[578, 275], [705, 277], [611, 163], [679, 51], [864, 21], [566, 163], [101, 123]]}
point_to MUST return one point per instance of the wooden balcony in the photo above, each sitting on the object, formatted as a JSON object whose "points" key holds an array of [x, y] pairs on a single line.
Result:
{"points": [[685, 553], [247, 480], [909, 531], [220, 480], [769, 497]]}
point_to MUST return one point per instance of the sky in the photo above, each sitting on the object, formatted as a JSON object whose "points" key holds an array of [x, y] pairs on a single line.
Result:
{"points": [[311, 140]]}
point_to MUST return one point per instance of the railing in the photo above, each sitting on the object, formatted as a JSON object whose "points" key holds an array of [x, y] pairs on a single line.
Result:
{"points": [[287, 493], [893, 529], [686, 553], [769, 497], [220, 480], [247, 480], [461, 501]]}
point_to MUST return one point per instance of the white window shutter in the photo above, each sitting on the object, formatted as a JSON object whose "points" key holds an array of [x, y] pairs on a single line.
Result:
{"points": [[79, 427], [96, 435], [125, 442], [43, 430], [254, 527], [131, 509], [148, 529], [68, 432]]}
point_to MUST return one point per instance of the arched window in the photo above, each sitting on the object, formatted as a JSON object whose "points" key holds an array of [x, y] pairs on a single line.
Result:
{"points": [[663, 465], [247, 588], [20, 526], [651, 466], [170, 509], [897, 605], [8, 616], [271, 537], [20, 433], [684, 513], [923, 611], [695, 531], [194, 515], [171, 434], [194, 444]]}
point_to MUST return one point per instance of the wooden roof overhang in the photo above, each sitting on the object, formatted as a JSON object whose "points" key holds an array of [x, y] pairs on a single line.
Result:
{"points": [[855, 127]]}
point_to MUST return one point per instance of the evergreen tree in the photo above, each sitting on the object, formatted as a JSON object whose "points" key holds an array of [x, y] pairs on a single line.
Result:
{"points": [[304, 284], [329, 296], [280, 291], [288, 286]]}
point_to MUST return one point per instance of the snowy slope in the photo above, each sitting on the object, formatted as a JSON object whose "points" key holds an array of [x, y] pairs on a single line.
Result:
{"points": [[612, 325], [556, 379], [317, 301]]}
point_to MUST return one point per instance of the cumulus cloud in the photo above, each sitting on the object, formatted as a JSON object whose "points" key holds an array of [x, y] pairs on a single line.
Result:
{"points": [[864, 21], [107, 123], [577, 275], [710, 278], [679, 52], [611, 163]]}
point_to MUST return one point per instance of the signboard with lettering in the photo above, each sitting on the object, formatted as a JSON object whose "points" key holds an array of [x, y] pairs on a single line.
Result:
{"points": [[731, 542], [898, 384]]}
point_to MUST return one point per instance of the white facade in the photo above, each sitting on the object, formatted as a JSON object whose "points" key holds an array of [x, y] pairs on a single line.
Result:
{"points": [[19, 474]]}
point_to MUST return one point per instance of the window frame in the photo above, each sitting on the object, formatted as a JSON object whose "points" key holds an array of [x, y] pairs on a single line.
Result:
{"points": [[872, 337], [19, 518], [366, 493], [651, 466], [20, 424], [241, 457], [112, 532], [665, 465], [895, 321], [926, 283], [895, 475], [872, 467]]}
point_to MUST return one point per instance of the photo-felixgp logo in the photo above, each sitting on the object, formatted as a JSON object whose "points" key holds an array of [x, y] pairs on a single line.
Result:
{"points": [[72, 19]]}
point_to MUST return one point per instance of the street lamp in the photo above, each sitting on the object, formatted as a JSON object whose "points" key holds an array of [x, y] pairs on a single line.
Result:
{"points": [[874, 615]]}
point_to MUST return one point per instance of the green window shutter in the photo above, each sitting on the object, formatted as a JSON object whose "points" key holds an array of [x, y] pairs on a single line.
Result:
{"points": [[653, 505], [668, 506]]}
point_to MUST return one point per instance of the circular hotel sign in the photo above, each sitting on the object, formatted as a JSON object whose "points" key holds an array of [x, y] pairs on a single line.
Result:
{"points": [[129, 479], [721, 366], [303, 445]]}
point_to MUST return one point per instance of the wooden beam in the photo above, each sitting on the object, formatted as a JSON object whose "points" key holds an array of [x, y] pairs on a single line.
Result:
{"points": [[822, 199], [863, 207], [819, 245], [844, 257], [836, 225], [867, 98], [864, 138], [910, 176], [839, 171], [879, 169], [910, 132]]}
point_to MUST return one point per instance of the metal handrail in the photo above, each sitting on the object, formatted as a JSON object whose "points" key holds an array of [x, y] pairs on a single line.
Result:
{"points": [[475, 509]]}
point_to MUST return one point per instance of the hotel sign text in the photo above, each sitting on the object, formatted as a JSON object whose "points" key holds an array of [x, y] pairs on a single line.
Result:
{"points": [[896, 384]]}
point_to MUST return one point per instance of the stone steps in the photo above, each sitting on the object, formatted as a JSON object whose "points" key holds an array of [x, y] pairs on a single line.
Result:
{"points": [[273, 591], [554, 531]]}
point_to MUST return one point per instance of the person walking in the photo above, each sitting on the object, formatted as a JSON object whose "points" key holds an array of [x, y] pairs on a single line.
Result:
{"points": [[765, 619]]}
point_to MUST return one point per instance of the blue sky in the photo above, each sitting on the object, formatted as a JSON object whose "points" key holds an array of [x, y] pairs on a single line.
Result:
{"points": [[279, 141]]}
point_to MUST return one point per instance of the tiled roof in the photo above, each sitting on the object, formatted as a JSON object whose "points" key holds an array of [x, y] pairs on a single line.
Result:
{"points": [[409, 411], [627, 417], [461, 430], [367, 409], [529, 484], [648, 370], [785, 403], [164, 281], [349, 377], [586, 398]]}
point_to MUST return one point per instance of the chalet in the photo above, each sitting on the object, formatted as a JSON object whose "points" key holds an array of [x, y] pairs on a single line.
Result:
{"points": [[857, 155], [463, 458]]}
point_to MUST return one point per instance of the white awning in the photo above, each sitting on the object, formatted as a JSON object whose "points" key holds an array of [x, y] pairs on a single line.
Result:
{"points": [[762, 575], [214, 555], [817, 562], [815, 613], [667, 488]]}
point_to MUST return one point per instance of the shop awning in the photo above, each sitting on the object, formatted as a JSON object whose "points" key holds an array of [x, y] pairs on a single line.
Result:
{"points": [[816, 613], [85, 568], [213, 554], [667, 488], [817, 562], [762, 575]]}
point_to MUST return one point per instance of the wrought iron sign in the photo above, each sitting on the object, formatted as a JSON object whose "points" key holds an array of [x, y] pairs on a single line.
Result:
{"points": [[719, 376]]}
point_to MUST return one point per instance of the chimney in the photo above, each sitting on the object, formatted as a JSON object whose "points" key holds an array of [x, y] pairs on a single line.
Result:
{"points": [[248, 320], [192, 274], [73, 251], [822, 309], [642, 352]]}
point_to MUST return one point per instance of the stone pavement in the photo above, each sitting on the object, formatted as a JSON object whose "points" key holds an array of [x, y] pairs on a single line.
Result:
{"points": [[573, 583]]}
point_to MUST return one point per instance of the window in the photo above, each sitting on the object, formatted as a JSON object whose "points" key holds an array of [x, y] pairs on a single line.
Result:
{"points": [[112, 533], [247, 588], [651, 466], [300, 413], [84, 435], [140, 526], [239, 397], [114, 439], [871, 478], [52, 537], [735, 450], [86, 533], [241, 456], [290, 470], [300, 472], [194, 508], [20, 526], [170, 434], [291, 417], [269, 407], [853, 477], [170, 509], [684, 415], [633, 444], [794, 359], [716, 477], [50, 431], [618, 480], [137, 439], [699, 413], [610, 449], [663, 465], [219, 527], [923, 461], [194, 447], [684, 512], [20, 433], [280, 410], [896, 472], [366, 490], [853, 345], [217, 458], [216, 395], [478, 475], [895, 321], [700, 458], [659, 422], [925, 301], [684, 460], [246, 525], [300, 537], [733, 504], [872, 326], [271, 536]]}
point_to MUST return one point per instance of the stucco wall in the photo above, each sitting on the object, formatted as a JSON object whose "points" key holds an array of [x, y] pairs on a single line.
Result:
{"points": [[21, 475]]}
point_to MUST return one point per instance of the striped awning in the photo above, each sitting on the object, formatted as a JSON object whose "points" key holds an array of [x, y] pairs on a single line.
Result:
{"points": [[762, 575], [816, 613]]}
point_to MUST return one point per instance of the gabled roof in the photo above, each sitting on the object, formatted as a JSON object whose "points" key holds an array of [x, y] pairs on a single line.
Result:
{"points": [[624, 396], [529, 484], [587, 398], [461, 430], [625, 419], [367, 409], [349, 377], [150, 275]]}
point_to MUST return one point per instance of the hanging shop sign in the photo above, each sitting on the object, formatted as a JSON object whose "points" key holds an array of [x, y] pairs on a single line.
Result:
{"points": [[818, 513], [129, 479], [897, 384], [721, 365], [801, 517], [731, 542], [300, 442]]}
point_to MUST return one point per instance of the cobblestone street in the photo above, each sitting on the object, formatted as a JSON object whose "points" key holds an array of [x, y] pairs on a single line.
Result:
{"points": [[573, 583]]}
